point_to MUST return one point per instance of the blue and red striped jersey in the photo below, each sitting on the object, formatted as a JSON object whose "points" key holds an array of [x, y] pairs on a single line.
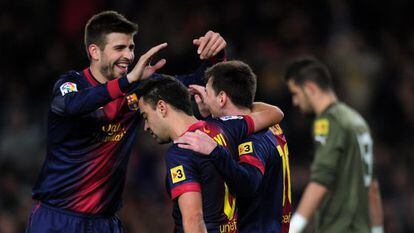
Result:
{"points": [[187, 171], [91, 131], [259, 176], [268, 210]]}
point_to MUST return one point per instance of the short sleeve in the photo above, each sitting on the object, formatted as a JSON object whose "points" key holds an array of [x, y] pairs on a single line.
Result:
{"points": [[329, 141], [251, 151], [182, 172]]}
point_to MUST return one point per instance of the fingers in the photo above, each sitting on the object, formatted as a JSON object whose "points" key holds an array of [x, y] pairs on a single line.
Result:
{"points": [[204, 41], [203, 136], [159, 64], [198, 41], [207, 48], [198, 99], [217, 47], [185, 146], [198, 89], [187, 138], [146, 57]]}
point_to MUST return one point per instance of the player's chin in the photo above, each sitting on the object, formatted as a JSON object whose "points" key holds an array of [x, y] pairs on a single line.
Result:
{"points": [[119, 72], [163, 141]]}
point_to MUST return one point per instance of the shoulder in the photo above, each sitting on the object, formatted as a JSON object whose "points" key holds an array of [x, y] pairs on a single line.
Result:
{"points": [[176, 154], [70, 76], [346, 117], [69, 81], [260, 140]]}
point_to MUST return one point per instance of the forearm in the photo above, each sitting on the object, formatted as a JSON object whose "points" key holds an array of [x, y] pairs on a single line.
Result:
{"points": [[194, 224], [242, 178], [375, 207], [87, 100], [308, 205], [265, 115], [197, 78]]}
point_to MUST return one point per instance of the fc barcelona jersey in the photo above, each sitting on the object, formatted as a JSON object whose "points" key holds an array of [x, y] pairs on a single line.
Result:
{"points": [[190, 172], [91, 131]]}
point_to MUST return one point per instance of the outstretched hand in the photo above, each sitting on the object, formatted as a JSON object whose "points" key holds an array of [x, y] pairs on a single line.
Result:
{"points": [[143, 69], [209, 45], [197, 141], [199, 93]]}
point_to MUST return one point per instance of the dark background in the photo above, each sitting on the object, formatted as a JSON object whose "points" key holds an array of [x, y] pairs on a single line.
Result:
{"points": [[368, 45]]}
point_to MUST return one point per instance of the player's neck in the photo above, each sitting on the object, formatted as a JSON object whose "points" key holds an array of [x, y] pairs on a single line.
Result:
{"points": [[180, 124], [232, 110], [324, 102], [96, 73]]}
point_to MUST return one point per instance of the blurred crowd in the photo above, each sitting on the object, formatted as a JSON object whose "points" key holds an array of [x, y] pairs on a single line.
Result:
{"points": [[368, 45]]}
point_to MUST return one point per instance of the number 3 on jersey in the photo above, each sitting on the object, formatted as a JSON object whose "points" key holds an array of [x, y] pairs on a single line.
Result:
{"points": [[177, 174]]}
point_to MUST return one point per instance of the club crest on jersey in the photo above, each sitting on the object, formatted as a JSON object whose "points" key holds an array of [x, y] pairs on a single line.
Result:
{"points": [[276, 130], [177, 174], [245, 148], [132, 101], [321, 127], [226, 118], [67, 88]]}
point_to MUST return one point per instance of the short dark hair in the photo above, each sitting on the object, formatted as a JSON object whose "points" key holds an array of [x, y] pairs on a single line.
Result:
{"points": [[101, 24], [168, 89], [236, 79], [309, 69]]}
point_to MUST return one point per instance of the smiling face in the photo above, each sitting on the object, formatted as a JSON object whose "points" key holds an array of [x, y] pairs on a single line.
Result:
{"points": [[116, 56], [154, 122]]}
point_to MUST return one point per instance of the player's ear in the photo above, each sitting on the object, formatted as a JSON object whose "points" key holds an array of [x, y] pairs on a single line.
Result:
{"points": [[222, 98], [162, 108], [310, 87], [94, 52]]}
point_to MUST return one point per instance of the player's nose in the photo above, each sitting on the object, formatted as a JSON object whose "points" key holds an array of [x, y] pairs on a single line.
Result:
{"points": [[128, 54]]}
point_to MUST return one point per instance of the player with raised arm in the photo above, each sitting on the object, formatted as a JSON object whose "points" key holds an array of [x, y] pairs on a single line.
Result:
{"points": [[258, 172], [92, 126], [202, 201]]}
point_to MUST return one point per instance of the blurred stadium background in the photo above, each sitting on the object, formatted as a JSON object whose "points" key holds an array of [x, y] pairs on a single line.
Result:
{"points": [[368, 45]]}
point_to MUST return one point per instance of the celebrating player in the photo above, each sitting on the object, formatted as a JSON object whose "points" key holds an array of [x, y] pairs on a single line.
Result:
{"points": [[92, 126], [258, 171], [202, 201]]}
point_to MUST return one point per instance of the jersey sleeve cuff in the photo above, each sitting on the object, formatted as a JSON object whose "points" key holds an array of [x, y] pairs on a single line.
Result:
{"points": [[254, 161], [250, 124], [184, 188], [117, 87], [221, 56]]}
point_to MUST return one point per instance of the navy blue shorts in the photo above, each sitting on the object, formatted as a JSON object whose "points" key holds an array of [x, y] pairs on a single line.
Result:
{"points": [[47, 219]]}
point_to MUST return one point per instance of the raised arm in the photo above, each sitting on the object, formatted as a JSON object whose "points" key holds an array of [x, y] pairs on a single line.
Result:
{"points": [[265, 115], [211, 48]]}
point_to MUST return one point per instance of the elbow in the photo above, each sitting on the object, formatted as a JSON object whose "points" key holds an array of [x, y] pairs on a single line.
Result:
{"points": [[194, 223], [194, 217], [278, 115], [71, 111]]}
